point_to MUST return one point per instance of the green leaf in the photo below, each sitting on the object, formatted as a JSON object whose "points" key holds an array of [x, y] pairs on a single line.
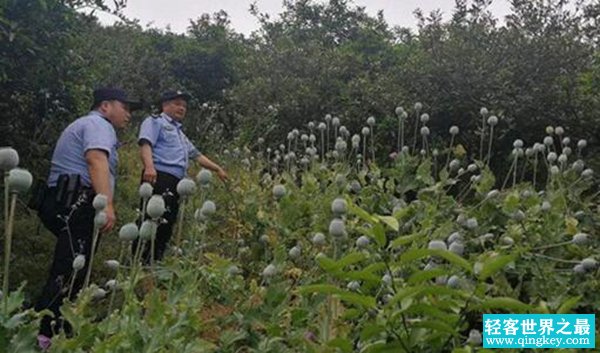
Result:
{"points": [[390, 222], [505, 303], [422, 276], [492, 266], [362, 214], [378, 234], [351, 259], [403, 240], [424, 173], [452, 258], [568, 305], [341, 343], [370, 331]]}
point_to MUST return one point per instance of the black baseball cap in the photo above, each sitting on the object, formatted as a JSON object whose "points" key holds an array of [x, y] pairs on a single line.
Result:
{"points": [[170, 95], [110, 94]]}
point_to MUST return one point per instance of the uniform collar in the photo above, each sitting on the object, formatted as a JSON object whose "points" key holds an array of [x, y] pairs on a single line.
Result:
{"points": [[171, 120], [98, 114]]}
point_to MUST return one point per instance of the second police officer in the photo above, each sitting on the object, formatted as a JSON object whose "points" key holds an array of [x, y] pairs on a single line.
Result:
{"points": [[166, 153]]}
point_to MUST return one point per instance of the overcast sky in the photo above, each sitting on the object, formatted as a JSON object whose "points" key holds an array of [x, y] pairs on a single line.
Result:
{"points": [[176, 13]]}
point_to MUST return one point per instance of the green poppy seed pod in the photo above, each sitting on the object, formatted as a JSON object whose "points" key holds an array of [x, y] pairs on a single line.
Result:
{"points": [[474, 338], [484, 112], [148, 230], [311, 125], [186, 187], [386, 279], [294, 252], [457, 247], [128, 232], [362, 242], [546, 206], [567, 151], [112, 264], [552, 157], [431, 265], [111, 284], [588, 173], [156, 207], [492, 120], [355, 186], [425, 118], [371, 121], [9, 158], [340, 180], [353, 286], [365, 131], [549, 130], [581, 144], [261, 140], [19, 180], [78, 262], [271, 108], [204, 177], [304, 138], [566, 141], [304, 161], [554, 170], [318, 239], [454, 164], [455, 237], [327, 117], [279, 191], [529, 152], [296, 133], [344, 131], [486, 237], [269, 271], [562, 159], [233, 270], [518, 143], [454, 130], [454, 282], [100, 202], [471, 223], [506, 240], [100, 219], [578, 165], [436, 245], [405, 149], [337, 228], [580, 238], [290, 136], [399, 111], [559, 131], [539, 147], [199, 216], [548, 141], [208, 208], [335, 121], [418, 106], [322, 127], [425, 131], [98, 293], [355, 141], [589, 263], [579, 269], [282, 147], [339, 207], [472, 168], [146, 190], [312, 138], [435, 152], [335, 154]]}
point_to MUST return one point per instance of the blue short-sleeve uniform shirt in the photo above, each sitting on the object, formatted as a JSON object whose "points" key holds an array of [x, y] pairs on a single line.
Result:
{"points": [[90, 132], [171, 149]]}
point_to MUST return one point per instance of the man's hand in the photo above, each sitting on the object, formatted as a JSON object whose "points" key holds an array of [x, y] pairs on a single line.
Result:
{"points": [[111, 218], [222, 174], [149, 175]]}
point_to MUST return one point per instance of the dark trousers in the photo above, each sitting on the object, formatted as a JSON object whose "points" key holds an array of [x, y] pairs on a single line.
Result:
{"points": [[73, 227], [165, 185]]}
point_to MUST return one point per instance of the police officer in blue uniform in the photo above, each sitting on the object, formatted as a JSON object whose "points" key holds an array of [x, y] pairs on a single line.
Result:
{"points": [[84, 163], [166, 152]]}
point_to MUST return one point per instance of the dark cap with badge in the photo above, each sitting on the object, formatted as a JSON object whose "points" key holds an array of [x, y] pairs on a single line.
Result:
{"points": [[110, 94], [171, 95]]}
